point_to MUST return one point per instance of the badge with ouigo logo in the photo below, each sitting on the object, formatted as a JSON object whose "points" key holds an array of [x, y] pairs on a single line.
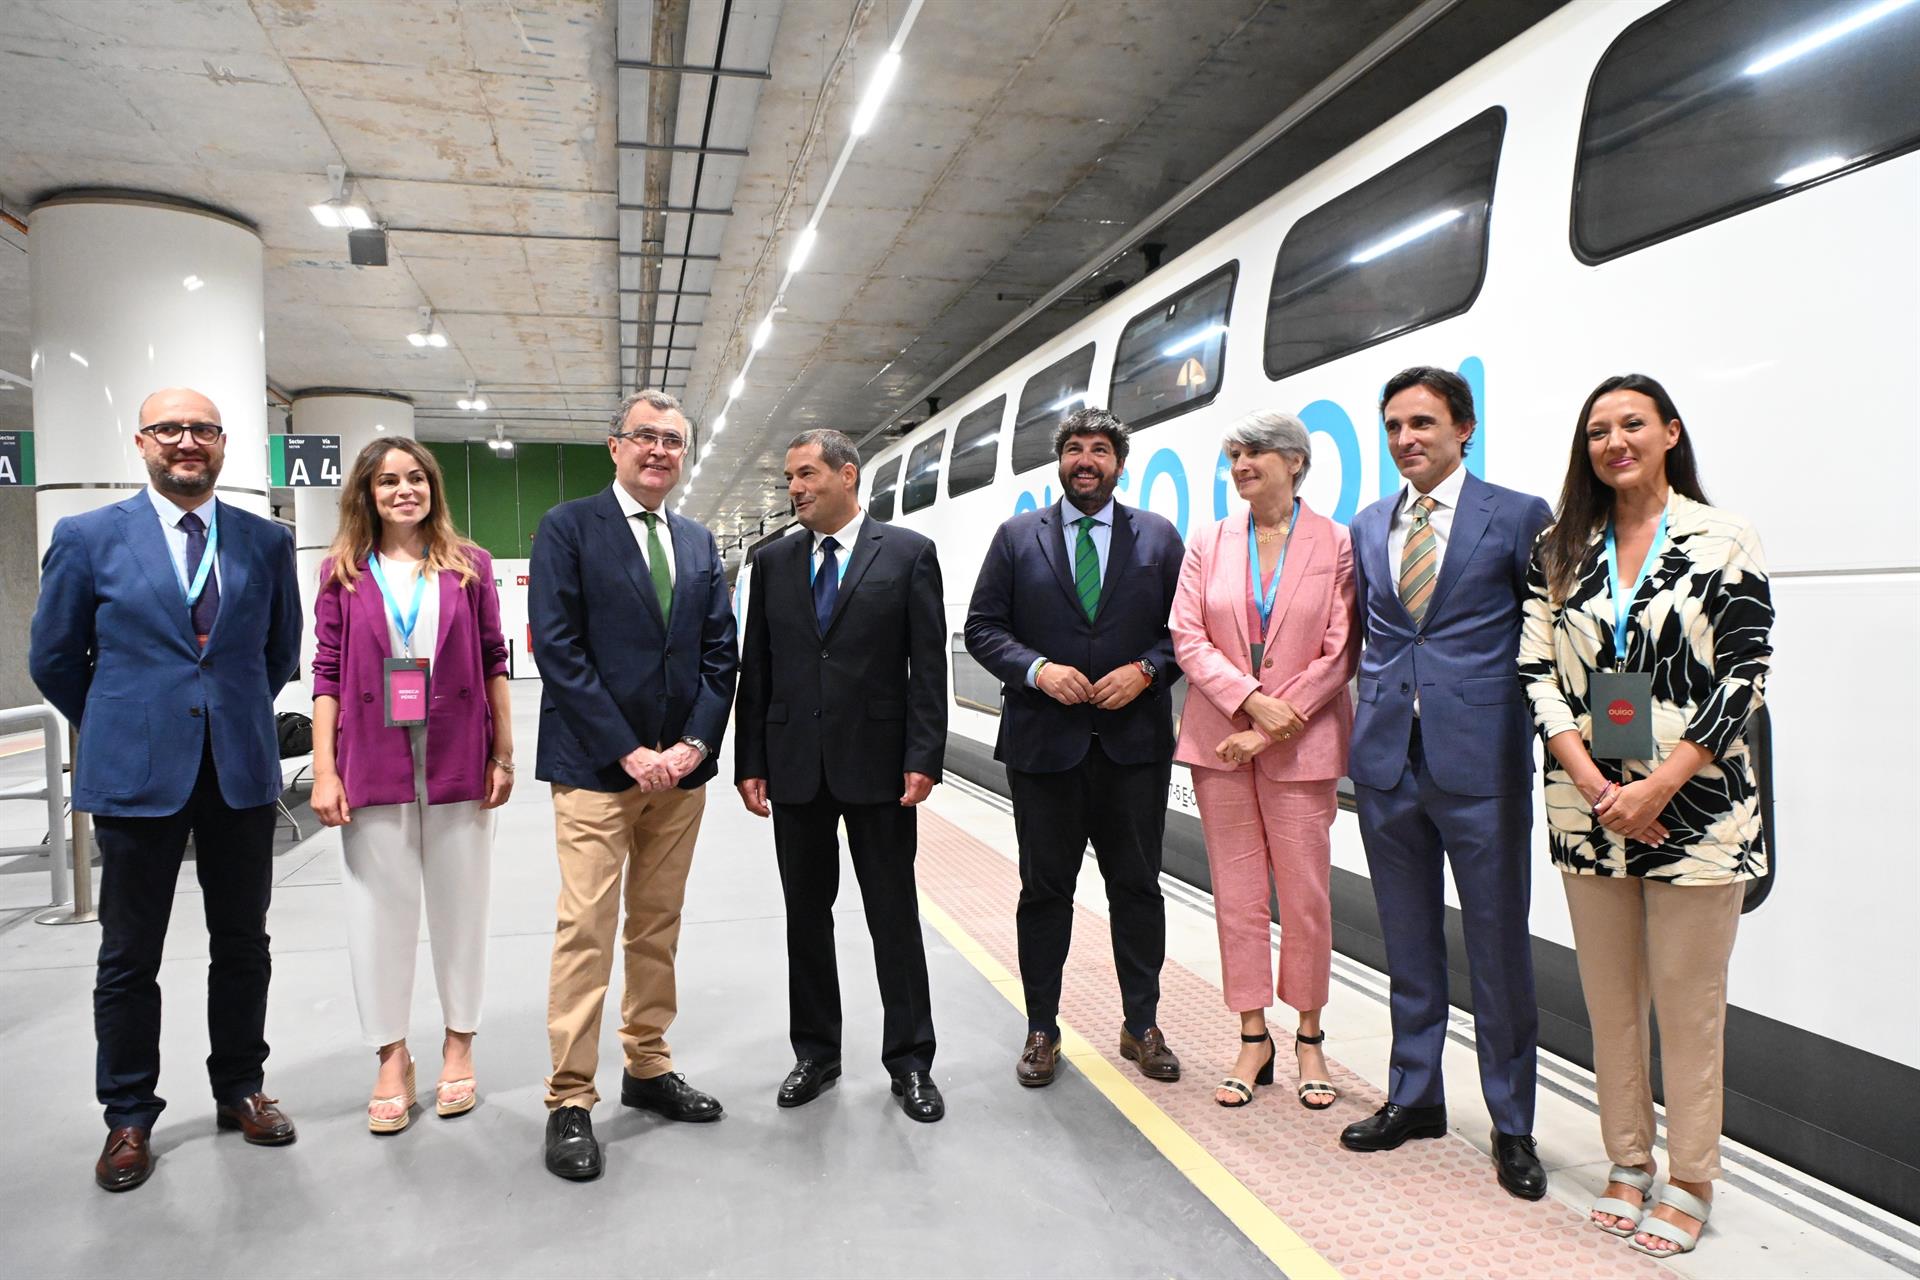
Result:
{"points": [[1622, 703]]}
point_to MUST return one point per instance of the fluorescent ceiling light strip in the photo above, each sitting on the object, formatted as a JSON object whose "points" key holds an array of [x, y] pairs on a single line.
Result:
{"points": [[1426, 226], [876, 92], [1825, 36], [802, 247]]}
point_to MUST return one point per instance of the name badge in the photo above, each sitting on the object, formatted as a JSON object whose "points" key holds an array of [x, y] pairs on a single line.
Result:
{"points": [[405, 681], [1622, 703]]}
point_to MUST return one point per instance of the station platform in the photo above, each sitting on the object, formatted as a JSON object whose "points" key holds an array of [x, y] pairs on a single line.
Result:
{"points": [[1104, 1173]]}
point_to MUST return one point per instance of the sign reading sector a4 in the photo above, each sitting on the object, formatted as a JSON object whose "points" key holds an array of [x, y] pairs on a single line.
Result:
{"points": [[16, 458], [302, 462]]}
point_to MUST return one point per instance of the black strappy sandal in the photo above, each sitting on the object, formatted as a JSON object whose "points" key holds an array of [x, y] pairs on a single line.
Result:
{"points": [[1313, 1086], [1263, 1076]]}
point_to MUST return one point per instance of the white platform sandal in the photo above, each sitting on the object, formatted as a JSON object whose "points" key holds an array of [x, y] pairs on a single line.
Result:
{"points": [[1640, 1180], [1686, 1202]]}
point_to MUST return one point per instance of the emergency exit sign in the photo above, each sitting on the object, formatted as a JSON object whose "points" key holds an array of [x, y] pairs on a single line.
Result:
{"points": [[16, 458], [304, 462]]}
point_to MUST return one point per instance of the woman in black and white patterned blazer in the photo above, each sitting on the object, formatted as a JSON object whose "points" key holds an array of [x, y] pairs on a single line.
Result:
{"points": [[1655, 852]]}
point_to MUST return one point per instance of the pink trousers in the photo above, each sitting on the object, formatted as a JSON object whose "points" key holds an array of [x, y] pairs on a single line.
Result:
{"points": [[1262, 832]]}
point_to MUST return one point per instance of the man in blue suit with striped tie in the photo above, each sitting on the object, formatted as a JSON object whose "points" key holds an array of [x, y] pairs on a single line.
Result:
{"points": [[1441, 571], [166, 625]]}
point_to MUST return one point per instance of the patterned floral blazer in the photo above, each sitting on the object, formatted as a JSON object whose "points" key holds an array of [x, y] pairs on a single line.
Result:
{"points": [[1700, 624]]}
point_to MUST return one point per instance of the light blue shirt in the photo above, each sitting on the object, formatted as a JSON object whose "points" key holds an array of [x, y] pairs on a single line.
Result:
{"points": [[170, 513], [843, 540], [1102, 535]]}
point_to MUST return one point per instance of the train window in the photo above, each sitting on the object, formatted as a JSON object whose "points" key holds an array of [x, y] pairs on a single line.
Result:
{"points": [[922, 484], [976, 448], [1708, 108], [1406, 248], [1049, 396], [973, 685], [1170, 357], [886, 477]]}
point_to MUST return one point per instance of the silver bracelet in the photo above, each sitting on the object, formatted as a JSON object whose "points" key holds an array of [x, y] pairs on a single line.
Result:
{"points": [[504, 764]]}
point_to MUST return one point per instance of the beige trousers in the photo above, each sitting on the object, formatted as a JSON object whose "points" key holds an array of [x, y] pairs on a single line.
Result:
{"points": [[1647, 944], [599, 835]]}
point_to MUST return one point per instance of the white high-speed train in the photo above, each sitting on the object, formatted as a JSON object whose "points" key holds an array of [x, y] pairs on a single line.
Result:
{"points": [[1721, 193]]}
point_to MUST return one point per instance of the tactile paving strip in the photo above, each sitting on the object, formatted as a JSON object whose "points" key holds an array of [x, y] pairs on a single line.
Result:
{"points": [[1430, 1209]]}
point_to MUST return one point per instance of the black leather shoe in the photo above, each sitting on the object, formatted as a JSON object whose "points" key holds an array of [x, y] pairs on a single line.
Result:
{"points": [[919, 1096], [805, 1082], [572, 1152], [1518, 1163], [671, 1096], [1392, 1125]]}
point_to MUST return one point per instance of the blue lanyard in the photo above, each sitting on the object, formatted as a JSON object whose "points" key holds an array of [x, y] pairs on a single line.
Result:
{"points": [[1264, 596], [1623, 604], [404, 625], [199, 583]]}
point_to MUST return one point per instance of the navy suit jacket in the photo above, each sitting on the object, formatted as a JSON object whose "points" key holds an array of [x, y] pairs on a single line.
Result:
{"points": [[615, 674], [1025, 607], [1463, 657], [113, 648]]}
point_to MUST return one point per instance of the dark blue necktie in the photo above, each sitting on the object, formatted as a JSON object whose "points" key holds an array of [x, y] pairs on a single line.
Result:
{"points": [[826, 584], [207, 607]]}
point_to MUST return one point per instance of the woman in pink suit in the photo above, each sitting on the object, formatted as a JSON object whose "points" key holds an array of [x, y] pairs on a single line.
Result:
{"points": [[1263, 627], [400, 585]]}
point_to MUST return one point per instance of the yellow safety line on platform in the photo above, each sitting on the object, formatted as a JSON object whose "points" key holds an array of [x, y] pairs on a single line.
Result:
{"points": [[1272, 1236]]}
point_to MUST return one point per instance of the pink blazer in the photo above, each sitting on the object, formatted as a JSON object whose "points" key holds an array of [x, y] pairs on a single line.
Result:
{"points": [[350, 644], [1312, 647]]}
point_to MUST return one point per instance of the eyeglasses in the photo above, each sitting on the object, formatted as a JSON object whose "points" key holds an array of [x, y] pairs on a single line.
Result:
{"points": [[203, 433], [647, 438]]}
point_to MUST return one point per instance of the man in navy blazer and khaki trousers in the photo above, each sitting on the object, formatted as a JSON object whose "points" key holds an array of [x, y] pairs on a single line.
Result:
{"points": [[634, 637], [166, 625], [1442, 766], [1070, 613]]}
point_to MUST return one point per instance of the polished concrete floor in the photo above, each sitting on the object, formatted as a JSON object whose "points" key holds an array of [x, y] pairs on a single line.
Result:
{"points": [[1013, 1183]]}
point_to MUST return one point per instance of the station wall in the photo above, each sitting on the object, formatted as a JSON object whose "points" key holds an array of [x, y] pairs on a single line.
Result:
{"points": [[498, 500]]}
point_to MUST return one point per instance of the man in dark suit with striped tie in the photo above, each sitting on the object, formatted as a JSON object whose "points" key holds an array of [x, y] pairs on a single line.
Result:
{"points": [[843, 718], [1442, 766], [166, 625]]}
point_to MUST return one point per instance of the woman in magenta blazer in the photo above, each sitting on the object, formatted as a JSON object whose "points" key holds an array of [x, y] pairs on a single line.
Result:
{"points": [[1263, 627], [401, 583]]}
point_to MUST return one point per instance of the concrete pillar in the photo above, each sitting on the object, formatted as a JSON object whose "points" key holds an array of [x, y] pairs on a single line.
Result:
{"points": [[130, 294], [358, 418]]}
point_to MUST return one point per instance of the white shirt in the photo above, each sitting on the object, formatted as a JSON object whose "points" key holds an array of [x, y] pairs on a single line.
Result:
{"points": [[631, 507], [1447, 495], [426, 629], [843, 540], [170, 513], [1101, 532]]}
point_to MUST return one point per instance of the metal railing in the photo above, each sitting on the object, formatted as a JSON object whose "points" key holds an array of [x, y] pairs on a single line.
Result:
{"points": [[72, 892]]}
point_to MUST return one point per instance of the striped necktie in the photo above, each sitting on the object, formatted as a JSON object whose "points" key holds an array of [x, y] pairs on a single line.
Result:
{"points": [[1086, 567], [1420, 561]]}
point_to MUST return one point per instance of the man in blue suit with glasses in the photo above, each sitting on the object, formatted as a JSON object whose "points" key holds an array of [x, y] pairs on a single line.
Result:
{"points": [[166, 625]]}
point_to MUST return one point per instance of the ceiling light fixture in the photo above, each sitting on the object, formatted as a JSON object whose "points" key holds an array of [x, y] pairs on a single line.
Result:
{"points": [[473, 402], [738, 386], [802, 247], [499, 443], [426, 335], [335, 211], [193, 284], [876, 93], [719, 425], [761, 334]]}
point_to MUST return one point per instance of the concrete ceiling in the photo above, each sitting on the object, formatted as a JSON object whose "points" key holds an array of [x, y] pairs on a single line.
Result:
{"points": [[496, 139]]}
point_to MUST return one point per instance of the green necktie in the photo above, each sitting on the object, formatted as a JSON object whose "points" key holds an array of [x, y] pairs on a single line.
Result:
{"points": [[1086, 567], [657, 566]]}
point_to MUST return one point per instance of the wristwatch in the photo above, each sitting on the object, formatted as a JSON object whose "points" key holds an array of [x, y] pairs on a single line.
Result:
{"points": [[1148, 670], [699, 746]]}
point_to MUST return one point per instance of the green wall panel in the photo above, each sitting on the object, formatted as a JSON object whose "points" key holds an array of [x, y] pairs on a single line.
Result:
{"points": [[539, 488], [496, 502], [585, 469], [452, 457]]}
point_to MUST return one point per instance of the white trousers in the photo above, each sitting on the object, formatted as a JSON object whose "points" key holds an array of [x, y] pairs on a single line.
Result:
{"points": [[391, 851]]}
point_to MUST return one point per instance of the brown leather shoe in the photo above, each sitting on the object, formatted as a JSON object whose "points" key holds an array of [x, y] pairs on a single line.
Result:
{"points": [[1157, 1062], [258, 1118], [127, 1159], [1038, 1060]]}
